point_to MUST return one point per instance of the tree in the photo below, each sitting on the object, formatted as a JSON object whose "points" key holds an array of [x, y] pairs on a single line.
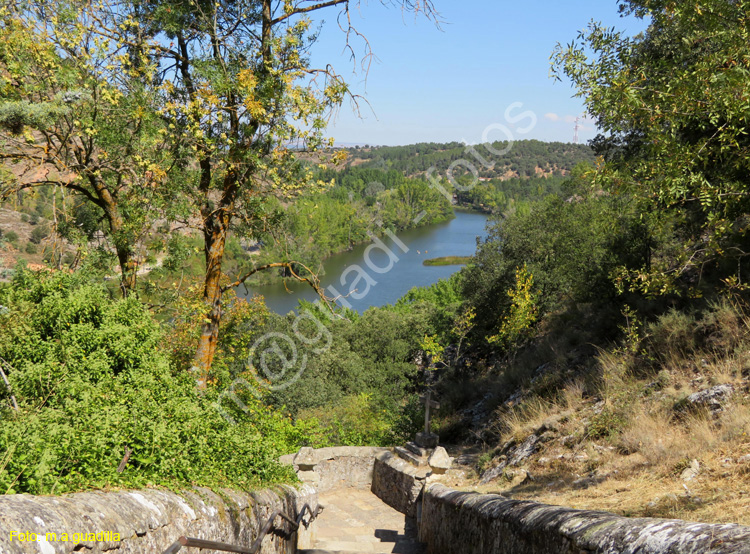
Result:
{"points": [[200, 104], [240, 100], [571, 248], [674, 108], [75, 113]]}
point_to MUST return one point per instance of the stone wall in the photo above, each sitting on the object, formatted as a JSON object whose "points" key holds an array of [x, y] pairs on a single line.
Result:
{"points": [[148, 521], [334, 468], [469, 523], [398, 483]]}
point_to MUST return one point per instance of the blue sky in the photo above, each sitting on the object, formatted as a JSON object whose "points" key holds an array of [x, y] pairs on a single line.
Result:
{"points": [[430, 85]]}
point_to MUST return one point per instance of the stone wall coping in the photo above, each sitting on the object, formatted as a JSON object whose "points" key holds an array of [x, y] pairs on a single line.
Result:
{"points": [[595, 531], [402, 466], [146, 520], [311, 457]]}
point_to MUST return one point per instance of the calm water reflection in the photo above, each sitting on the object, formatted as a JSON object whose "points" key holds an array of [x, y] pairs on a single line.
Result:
{"points": [[347, 270]]}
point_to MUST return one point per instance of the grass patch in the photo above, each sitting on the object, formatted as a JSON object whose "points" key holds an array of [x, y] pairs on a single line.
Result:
{"points": [[448, 260]]}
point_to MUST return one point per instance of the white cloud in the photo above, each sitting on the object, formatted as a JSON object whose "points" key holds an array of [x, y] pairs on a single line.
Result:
{"points": [[552, 116]]}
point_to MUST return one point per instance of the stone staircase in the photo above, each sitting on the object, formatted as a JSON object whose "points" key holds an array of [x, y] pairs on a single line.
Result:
{"points": [[358, 522]]}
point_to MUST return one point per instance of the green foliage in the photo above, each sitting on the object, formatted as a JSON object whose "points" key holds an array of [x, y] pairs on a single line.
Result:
{"points": [[570, 247], [632, 330], [523, 312], [356, 420], [673, 105], [75, 107], [370, 354], [448, 260], [91, 380], [357, 380], [14, 116], [522, 159], [607, 423], [439, 306], [433, 349], [39, 233]]}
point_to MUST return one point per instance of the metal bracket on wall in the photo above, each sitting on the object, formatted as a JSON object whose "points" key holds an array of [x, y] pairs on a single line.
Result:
{"points": [[255, 547]]}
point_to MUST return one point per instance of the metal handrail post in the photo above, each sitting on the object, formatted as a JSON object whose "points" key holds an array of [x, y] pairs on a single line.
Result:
{"points": [[255, 547]]}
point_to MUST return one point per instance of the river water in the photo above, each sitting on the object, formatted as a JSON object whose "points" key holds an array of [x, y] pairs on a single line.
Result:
{"points": [[382, 273]]}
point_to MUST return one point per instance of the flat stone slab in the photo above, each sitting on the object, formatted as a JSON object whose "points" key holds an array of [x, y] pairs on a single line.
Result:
{"points": [[427, 440], [417, 450], [410, 457]]}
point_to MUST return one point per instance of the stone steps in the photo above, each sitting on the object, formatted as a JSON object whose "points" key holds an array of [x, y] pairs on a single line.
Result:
{"points": [[418, 450], [410, 456]]}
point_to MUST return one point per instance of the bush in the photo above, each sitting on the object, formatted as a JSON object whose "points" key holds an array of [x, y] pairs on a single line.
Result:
{"points": [[11, 236], [355, 421], [30, 248], [39, 233], [570, 248], [91, 381]]}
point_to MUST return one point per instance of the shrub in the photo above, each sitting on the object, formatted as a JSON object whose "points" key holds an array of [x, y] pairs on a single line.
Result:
{"points": [[39, 233], [355, 421], [570, 248], [91, 381], [30, 248], [11, 236]]}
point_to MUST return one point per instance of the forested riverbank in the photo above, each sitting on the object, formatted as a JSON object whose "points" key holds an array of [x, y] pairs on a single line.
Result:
{"points": [[593, 352]]}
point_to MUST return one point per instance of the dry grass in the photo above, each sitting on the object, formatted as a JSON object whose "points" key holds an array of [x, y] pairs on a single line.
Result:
{"points": [[645, 437], [523, 420], [665, 443]]}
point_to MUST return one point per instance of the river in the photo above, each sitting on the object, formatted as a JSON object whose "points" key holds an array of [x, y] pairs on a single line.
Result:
{"points": [[383, 273]]}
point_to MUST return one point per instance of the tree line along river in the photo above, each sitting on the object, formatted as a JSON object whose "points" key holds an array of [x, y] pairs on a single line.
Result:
{"points": [[383, 272]]}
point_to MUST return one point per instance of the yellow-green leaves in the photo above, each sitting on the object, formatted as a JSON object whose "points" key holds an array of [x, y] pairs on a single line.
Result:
{"points": [[522, 314]]}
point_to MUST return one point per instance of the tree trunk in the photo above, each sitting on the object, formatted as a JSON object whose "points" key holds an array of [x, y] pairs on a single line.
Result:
{"points": [[215, 240], [128, 269], [215, 229], [123, 246]]}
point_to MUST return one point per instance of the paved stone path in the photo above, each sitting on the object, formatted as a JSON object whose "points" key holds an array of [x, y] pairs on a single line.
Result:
{"points": [[356, 521]]}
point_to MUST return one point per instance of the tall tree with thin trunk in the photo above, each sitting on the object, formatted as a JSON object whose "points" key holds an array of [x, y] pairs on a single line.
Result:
{"points": [[76, 112], [241, 101]]}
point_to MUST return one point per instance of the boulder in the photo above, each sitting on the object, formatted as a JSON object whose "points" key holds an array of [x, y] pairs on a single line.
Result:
{"points": [[439, 461], [513, 455], [714, 398]]}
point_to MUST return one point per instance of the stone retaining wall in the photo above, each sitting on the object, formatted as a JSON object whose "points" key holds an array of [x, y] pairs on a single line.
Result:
{"points": [[334, 468], [469, 523], [148, 521], [398, 483]]}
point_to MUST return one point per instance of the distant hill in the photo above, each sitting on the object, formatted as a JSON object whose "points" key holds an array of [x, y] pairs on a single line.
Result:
{"points": [[524, 158]]}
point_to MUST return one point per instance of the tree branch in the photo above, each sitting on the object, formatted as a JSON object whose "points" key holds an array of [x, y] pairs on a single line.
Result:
{"points": [[313, 281], [308, 9]]}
